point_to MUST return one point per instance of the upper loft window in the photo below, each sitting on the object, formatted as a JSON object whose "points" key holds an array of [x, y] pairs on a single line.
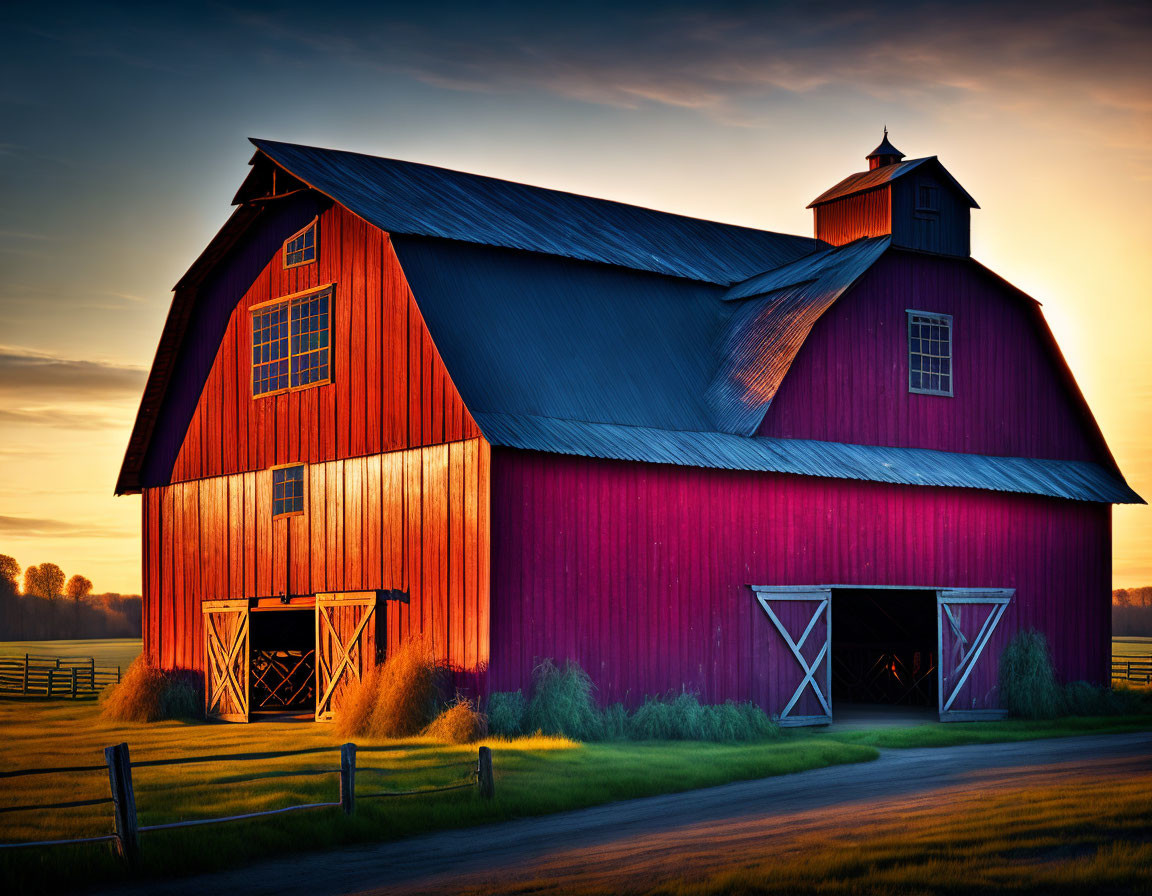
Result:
{"points": [[287, 490], [929, 353], [300, 248], [926, 198], [291, 342]]}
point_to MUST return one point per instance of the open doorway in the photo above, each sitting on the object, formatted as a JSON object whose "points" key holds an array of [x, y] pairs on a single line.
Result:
{"points": [[884, 654], [283, 662]]}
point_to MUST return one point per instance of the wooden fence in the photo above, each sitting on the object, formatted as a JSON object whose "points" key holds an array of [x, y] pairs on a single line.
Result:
{"points": [[53, 676], [127, 829], [1133, 668]]}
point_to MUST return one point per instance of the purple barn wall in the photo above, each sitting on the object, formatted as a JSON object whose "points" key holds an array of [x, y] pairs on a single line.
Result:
{"points": [[850, 381], [641, 571]]}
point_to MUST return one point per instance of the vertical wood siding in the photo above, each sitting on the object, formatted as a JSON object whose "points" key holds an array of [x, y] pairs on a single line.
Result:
{"points": [[390, 387], [413, 522], [853, 217], [640, 572], [849, 383]]}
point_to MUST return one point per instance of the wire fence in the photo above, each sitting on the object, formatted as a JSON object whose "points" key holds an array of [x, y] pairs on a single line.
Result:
{"points": [[122, 797]]}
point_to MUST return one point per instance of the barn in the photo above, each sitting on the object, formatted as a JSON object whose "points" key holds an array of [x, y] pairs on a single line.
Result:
{"points": [[391, 399]]}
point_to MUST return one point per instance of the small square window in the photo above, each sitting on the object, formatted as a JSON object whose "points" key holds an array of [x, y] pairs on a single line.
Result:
{"points": [[929, 353], [926, 200], [300, 248], [288, 490]]}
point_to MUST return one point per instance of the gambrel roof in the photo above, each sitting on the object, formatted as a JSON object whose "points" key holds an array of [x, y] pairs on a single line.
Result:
{"points": [[581, 326]]}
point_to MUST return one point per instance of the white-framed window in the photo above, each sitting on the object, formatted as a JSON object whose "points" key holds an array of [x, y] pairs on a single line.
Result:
{"points": [[929, 353]]}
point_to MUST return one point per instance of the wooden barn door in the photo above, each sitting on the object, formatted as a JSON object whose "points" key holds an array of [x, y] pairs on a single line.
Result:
{"points": [[226, 660], [346, 626], [967, 620], [802, 623]]}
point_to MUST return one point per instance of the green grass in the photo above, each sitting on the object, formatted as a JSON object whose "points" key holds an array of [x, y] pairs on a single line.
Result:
{"points": [[952, 734], [1131, 646], [534, 776], [107, 651]]}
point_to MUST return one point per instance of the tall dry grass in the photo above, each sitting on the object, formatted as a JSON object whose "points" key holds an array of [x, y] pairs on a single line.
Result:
{"points": [[148, 694], [460, 723], [396, 699]]}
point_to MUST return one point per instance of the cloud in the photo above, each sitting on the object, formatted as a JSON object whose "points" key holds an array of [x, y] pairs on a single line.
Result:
{"points": [[44, 376], [60, 418], [31, 527], [723, 57]]}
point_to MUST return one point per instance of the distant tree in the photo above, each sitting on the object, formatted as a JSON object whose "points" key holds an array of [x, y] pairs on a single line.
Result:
{"points": [[9, 570], [78, 587], [45, 580], [1121, 598]]}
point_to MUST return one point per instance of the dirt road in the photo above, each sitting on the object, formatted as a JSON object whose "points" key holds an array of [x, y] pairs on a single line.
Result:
{"points": [[643, 841]]}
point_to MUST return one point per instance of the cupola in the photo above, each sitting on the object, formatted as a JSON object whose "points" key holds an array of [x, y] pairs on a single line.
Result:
{"points": [[916, 202]]}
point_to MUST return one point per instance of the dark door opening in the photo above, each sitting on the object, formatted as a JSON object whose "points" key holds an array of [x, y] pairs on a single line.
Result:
{"points": [[884, 645], [283, 662]]}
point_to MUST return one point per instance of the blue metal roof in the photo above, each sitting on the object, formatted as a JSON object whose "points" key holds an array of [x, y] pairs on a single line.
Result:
{"points": [[772, 315], [1073, 480], [422, 200], [863, 181]]}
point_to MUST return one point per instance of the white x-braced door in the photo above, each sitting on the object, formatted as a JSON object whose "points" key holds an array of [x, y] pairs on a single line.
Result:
{"points": [[802, 627], [969, 670]]}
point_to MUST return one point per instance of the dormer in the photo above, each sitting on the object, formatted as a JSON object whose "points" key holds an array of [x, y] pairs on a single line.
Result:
{"points": [[916, 202]]}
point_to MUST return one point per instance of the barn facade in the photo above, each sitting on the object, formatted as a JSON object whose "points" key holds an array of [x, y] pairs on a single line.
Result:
{"points": [[394, 400]]}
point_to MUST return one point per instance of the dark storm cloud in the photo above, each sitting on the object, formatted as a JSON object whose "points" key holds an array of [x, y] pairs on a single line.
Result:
{"points": [[33, 375]]}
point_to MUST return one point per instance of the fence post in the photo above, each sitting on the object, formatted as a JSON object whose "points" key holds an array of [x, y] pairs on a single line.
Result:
{"points": [[92, 673], [484, 774], [48, 687], [124, 801], [25, 673], [117, 674], [348, 778], [73, 682]]}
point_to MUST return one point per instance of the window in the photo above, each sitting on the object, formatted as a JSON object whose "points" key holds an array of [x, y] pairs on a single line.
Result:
{"points": [[300, 248], [290, 342], [287, 490], [929, 353], [926, 198]]}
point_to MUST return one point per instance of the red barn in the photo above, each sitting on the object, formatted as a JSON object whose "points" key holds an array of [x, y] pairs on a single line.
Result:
{"points": [[391, 398]]}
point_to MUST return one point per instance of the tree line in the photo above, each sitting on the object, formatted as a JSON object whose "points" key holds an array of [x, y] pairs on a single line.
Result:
{"points": [[1132, 611], [51, 606]]}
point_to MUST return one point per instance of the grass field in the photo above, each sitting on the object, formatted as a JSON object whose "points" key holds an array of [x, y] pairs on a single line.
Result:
{"points": [[273, 764], [249, 771], [1131, 646], [107, 651]]}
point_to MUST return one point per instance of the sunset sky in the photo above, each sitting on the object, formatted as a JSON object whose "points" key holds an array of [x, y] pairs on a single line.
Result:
{"points": [[123, 139]]}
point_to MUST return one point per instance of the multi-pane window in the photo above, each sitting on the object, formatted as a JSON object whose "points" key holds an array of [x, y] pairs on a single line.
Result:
{"points": [[301, 247], [288, 490], [291, 343], [929, 353]]}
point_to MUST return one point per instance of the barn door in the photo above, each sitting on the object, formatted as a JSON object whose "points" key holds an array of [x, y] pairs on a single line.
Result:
{"points": [[226, 660], [969, 670], [802, 620], [345, 645]]}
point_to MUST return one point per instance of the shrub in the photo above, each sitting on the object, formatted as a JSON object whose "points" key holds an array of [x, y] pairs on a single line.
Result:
{"points": [[506, 712], [460, 723], [562, 702], [1084, 699], [148, 694], [614, 722], [684, 718], [397, 699], [1028, 687]]}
